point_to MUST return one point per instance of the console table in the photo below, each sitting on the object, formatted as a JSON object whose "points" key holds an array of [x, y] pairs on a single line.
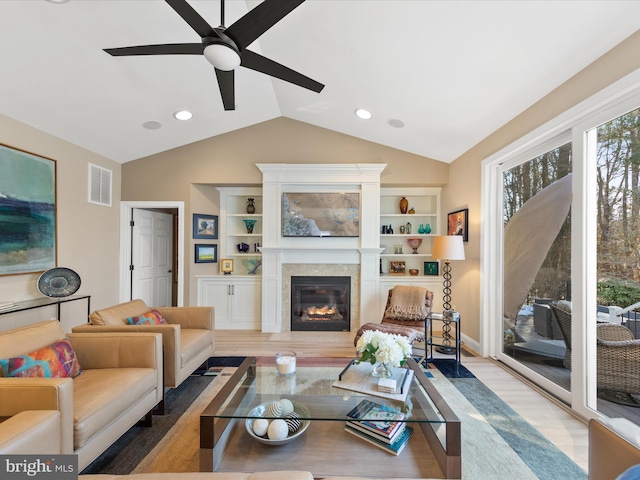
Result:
{"points": [[45, 302]]}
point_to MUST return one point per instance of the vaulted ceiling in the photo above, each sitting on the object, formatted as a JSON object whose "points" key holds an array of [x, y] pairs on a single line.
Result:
{"points": [[438, 76]]}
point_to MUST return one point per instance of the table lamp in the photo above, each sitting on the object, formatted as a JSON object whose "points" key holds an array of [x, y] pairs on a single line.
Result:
{"points": [[447, 248]]}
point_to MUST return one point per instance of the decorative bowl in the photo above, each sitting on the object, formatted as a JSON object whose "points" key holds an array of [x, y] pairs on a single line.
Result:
{"points": [[260, 411], [413, 271], [414, 243]]}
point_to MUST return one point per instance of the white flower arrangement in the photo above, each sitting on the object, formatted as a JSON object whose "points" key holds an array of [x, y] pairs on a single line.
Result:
{"points": [[374, 346]]}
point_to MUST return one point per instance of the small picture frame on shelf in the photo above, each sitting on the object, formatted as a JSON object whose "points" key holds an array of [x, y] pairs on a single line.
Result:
{"points": [[431, 268], [205, 226], [206, 253], [397, 268], [226, 266]]}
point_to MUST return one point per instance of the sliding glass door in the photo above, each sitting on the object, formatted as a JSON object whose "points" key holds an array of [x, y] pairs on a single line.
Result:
{"points": [[537, 263]]}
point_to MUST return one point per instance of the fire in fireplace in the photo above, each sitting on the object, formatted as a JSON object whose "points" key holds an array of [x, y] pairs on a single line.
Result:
{"points": [[320, 303]]}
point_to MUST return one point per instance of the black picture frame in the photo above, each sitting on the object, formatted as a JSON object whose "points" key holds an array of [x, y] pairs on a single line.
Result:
{"points": [[458, 223], [206, 253], [205, 227], [432, 268]]}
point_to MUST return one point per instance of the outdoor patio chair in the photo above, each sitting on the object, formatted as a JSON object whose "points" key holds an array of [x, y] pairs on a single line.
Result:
{"points": [[563, 319], [618, 358]]}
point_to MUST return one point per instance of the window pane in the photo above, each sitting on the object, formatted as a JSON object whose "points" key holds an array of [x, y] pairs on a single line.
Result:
{"points": [[537, 262], [618, 174]]}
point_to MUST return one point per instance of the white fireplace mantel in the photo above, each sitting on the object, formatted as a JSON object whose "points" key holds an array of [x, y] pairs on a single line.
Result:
{"points": [[276, 250]]}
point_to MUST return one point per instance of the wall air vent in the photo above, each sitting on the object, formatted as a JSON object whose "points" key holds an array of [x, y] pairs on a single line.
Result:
{"points": [[99, 185]]}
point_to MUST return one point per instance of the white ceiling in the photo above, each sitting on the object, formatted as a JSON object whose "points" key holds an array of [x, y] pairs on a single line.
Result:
{"points": [[452, 71]]}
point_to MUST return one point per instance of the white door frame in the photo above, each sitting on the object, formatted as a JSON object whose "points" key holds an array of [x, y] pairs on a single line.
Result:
{"points": [[125, 245]]}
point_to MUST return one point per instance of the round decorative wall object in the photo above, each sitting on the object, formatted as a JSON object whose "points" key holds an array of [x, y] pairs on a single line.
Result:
{"points": [[59, 282]]}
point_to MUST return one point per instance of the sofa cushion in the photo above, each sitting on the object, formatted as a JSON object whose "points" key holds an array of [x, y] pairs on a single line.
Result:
{"points": [[118, 314], [57, 360], [192, 342], [101, 395], [152, 317]]}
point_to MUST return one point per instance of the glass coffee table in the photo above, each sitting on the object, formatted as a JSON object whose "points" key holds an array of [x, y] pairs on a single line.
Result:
{"points": [[325, 448]]}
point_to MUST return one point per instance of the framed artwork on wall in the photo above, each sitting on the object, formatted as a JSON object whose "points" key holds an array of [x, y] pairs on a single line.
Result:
{"points": [[431, 268], [324, 214], [28, 204], [458, 224], [205, 226], [206, 253]]}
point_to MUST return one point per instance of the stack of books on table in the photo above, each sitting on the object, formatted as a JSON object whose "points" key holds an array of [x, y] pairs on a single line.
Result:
{"points": [[379, 425]]}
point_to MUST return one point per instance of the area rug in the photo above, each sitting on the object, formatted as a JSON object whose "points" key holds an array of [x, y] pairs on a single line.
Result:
{"points": [[448, 368], [491, 428], [214, 365], [497, 442]]}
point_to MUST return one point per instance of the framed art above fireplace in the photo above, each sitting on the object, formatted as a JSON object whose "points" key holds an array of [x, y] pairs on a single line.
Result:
{"points": [[320, 214]]}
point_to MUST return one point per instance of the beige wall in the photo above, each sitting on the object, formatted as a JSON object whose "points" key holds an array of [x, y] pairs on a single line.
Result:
{"points": [[88, 238], [465, 189], [188, 173]]}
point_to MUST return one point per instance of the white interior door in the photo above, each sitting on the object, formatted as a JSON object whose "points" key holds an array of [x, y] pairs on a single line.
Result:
{"points": [[151, 257]]}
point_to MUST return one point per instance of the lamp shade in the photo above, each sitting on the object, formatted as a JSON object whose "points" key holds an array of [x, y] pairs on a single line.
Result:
{"points": [[447, 247]]}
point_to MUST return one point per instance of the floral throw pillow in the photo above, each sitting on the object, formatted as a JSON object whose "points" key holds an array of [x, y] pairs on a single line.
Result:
{"points": [[151, 317], [53, 361]]}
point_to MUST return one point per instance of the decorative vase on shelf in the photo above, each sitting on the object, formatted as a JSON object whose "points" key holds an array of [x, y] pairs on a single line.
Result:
{"points": [[382, 370], [404, 205], [251, 208], [421, 229], [427, 229], [412, 211], [249, 223], [415, 244], [408, 228]]}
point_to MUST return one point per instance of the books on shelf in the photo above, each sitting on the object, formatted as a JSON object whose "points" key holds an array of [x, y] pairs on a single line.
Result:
{"points": [[395, 448], [379, 420]]}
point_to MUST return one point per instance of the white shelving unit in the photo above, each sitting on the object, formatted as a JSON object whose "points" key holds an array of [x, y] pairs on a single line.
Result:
{"points": [[426, 203], [233, 212]]}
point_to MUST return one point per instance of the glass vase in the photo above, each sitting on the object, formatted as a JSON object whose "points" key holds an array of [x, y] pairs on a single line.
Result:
{"points": [[382, 370]]}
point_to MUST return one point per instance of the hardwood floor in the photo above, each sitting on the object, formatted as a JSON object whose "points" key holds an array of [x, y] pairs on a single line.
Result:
{"points": [[562, 428]]}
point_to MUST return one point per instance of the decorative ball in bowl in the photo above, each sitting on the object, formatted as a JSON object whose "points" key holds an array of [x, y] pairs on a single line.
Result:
{"points": [[280, 422]]}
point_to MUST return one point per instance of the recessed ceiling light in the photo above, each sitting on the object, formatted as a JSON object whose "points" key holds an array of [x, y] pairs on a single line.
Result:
{"points": [[152, 125], [394, 122], [363, 114], [183, 115]]}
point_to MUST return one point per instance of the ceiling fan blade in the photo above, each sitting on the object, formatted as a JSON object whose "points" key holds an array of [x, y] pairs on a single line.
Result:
{"points": [[192, 17], [227, 88], [262, 64], [259, 20], [165, 49]]}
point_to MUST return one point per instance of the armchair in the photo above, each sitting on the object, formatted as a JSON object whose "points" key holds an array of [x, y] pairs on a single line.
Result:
{"points": [[562, 317], [30, 432], [187, 338], [618, 358], [414, 330]]}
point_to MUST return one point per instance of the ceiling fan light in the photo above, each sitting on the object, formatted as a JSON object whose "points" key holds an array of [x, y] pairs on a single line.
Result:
{"points": [[222, 56]]}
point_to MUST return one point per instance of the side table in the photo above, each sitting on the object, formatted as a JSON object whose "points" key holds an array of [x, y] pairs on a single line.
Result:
{"points": [[431, 341]]}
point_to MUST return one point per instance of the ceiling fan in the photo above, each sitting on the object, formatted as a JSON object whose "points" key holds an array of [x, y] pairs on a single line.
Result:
{"points": [[225, 48]]}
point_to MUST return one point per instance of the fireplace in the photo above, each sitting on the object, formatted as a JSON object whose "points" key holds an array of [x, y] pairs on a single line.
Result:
{"points": [[320, 303]]}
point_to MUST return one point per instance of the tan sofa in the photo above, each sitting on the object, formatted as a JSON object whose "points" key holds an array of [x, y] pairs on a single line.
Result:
{"points": [[614, 446], [188, 339], [282, 475], [120, 383]]}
